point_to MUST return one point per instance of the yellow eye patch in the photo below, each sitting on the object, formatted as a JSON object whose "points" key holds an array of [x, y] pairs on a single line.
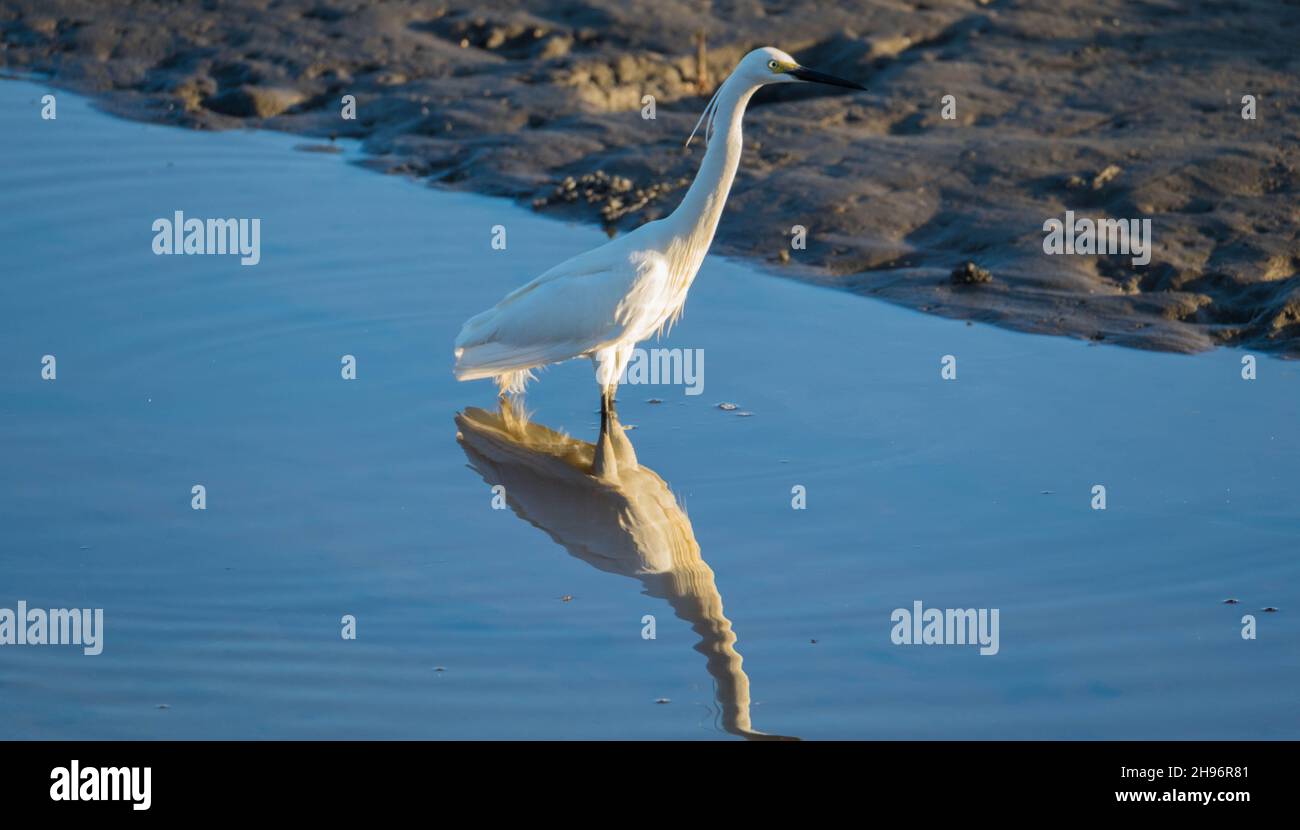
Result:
{"points": [[778, 67]]}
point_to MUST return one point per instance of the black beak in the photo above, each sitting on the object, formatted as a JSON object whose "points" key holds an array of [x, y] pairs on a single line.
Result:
{"points": [[815, 77]]}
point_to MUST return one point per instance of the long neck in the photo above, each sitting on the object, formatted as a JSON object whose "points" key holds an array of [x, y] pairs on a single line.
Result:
{"points": [[696, 218]]}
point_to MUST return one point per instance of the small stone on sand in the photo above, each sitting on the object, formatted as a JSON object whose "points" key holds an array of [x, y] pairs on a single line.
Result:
{"points": [[1105, 176], [970, 274]]}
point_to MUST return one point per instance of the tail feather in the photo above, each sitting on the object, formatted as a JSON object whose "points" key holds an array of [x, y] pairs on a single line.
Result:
{"points": [[509, 365], [507, 344], [491, 359], [513, 383]]}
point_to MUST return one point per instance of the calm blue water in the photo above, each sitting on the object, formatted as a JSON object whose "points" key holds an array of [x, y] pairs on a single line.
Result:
{"points": [[328, 497]]}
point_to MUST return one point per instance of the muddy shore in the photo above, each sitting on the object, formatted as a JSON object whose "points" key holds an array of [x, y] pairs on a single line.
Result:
{"points": [[1107, 109]]}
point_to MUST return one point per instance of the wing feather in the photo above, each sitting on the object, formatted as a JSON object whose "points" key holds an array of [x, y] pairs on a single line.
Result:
{"points": [[578, 307]]}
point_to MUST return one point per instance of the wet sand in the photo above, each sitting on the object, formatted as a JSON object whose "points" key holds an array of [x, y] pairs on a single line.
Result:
{"points": [[1110, 109]]}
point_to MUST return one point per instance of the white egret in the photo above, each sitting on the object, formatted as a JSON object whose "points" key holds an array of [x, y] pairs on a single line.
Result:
{"points": [[600, 304]]}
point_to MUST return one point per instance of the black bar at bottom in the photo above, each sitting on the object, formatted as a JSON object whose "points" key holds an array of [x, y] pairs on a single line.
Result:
{"points": [[336, 779]]}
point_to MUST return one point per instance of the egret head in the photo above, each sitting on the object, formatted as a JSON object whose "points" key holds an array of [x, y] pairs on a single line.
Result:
{"points": [[769, 65], [763, 66]]}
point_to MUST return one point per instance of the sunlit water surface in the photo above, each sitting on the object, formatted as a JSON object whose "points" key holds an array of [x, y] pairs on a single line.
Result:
{"points": [[328, 497]]}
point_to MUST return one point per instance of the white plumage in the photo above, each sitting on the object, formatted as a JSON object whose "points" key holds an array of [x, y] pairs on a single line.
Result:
{"points": [[600, 304], [595, 304]]}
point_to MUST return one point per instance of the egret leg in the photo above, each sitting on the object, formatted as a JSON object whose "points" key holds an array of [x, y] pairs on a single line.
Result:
{"points": [[606, 406], [609, 368]]}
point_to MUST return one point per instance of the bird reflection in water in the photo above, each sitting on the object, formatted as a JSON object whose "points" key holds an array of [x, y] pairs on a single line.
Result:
{"points": [[624, 521]]}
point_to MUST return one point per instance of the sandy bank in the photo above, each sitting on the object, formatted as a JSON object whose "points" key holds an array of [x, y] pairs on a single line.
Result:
{"points": [[1108, 109]]}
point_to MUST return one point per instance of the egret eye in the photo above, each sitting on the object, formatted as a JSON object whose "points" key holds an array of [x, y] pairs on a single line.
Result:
{"points": [[773, 65]]}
